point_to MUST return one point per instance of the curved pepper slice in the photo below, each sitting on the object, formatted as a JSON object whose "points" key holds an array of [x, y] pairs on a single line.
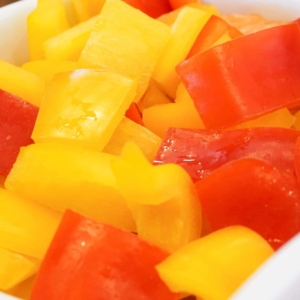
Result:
{"points": [[162, 199], [214, 266], [229, 87], [252, 193], [200, 152], [89, 260]]}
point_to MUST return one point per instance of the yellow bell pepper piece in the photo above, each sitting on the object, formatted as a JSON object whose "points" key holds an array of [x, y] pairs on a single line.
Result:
{"points": [[279, 118], [47, 20], [23, 289], [162, 199], [85, 9], [64, 176], [26, 227], [126, 41], [129, 131], [15, 268], [153, 96], [214, 266], [184, 32], [159, 118], [46, 69], [84, 106], [223, 39], [22, 83], [69, 44]]}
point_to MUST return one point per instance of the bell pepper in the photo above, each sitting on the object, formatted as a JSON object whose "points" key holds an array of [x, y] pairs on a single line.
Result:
{"points": [[46, 69], [21, 83], [17, 119], [162, 199], [211, 32], [252, 193], [153, 8], [23, 289], [66, 176], [184, 31], [86, 9], [153, 95], [202, 151], [118, 25], [129, 131], [69, 44], [133, 114], [179, 3], [26, 227], [89, 260], [84, 106], [15, 268], [213, 267], [229, 87], [47, 20]]}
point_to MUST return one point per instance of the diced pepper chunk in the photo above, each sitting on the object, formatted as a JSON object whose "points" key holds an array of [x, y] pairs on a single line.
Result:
{"points": [[26, 227], [229, 87], [47, 20], [66, 176], [15, 268], [214, 266], [126, 41], [162, 199], [69, 44], [153, 8], [133, 114], [184, 31], [129, 131], [200, 152], [86, 9], [21, 83], [252, 193], [101, 262], [46, 69], [178, 3], [84, 106], [17, 119]]}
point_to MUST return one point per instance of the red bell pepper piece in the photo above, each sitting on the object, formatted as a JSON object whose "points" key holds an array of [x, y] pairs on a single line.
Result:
{"points": [[89, 260], [17, 119], [246, 77], [255, 194], [211, 32], [134, 115], [200, 152], [153, 8]]}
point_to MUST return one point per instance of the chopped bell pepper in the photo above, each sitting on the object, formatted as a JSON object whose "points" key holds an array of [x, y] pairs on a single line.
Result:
{"points": [[86, 9], [179, 3], [89, 260], [252, 193], [129, 131], [214, 266], [126, 41], [26, 227], [17, 119], [229, 87], [84, 106], [184, 31], [162, 199], [47, 20], [15, 268], [200, 152], [21, 83], [66, 176], [133, 114]]}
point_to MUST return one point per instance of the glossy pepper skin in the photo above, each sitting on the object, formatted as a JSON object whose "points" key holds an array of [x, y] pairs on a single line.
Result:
{"points": [[229, 87], [253, 193], [89, 260], [200, 152], [17, 119]]}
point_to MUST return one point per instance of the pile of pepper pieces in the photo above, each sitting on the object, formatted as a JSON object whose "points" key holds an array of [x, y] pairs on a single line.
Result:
{"points": [[148, 150]]}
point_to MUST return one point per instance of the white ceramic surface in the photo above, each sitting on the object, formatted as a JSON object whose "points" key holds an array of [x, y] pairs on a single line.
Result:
{"points": [[279, 278]]}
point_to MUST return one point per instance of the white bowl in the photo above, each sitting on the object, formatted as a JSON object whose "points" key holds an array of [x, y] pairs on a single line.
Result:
{"points": [[279, 278]]}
